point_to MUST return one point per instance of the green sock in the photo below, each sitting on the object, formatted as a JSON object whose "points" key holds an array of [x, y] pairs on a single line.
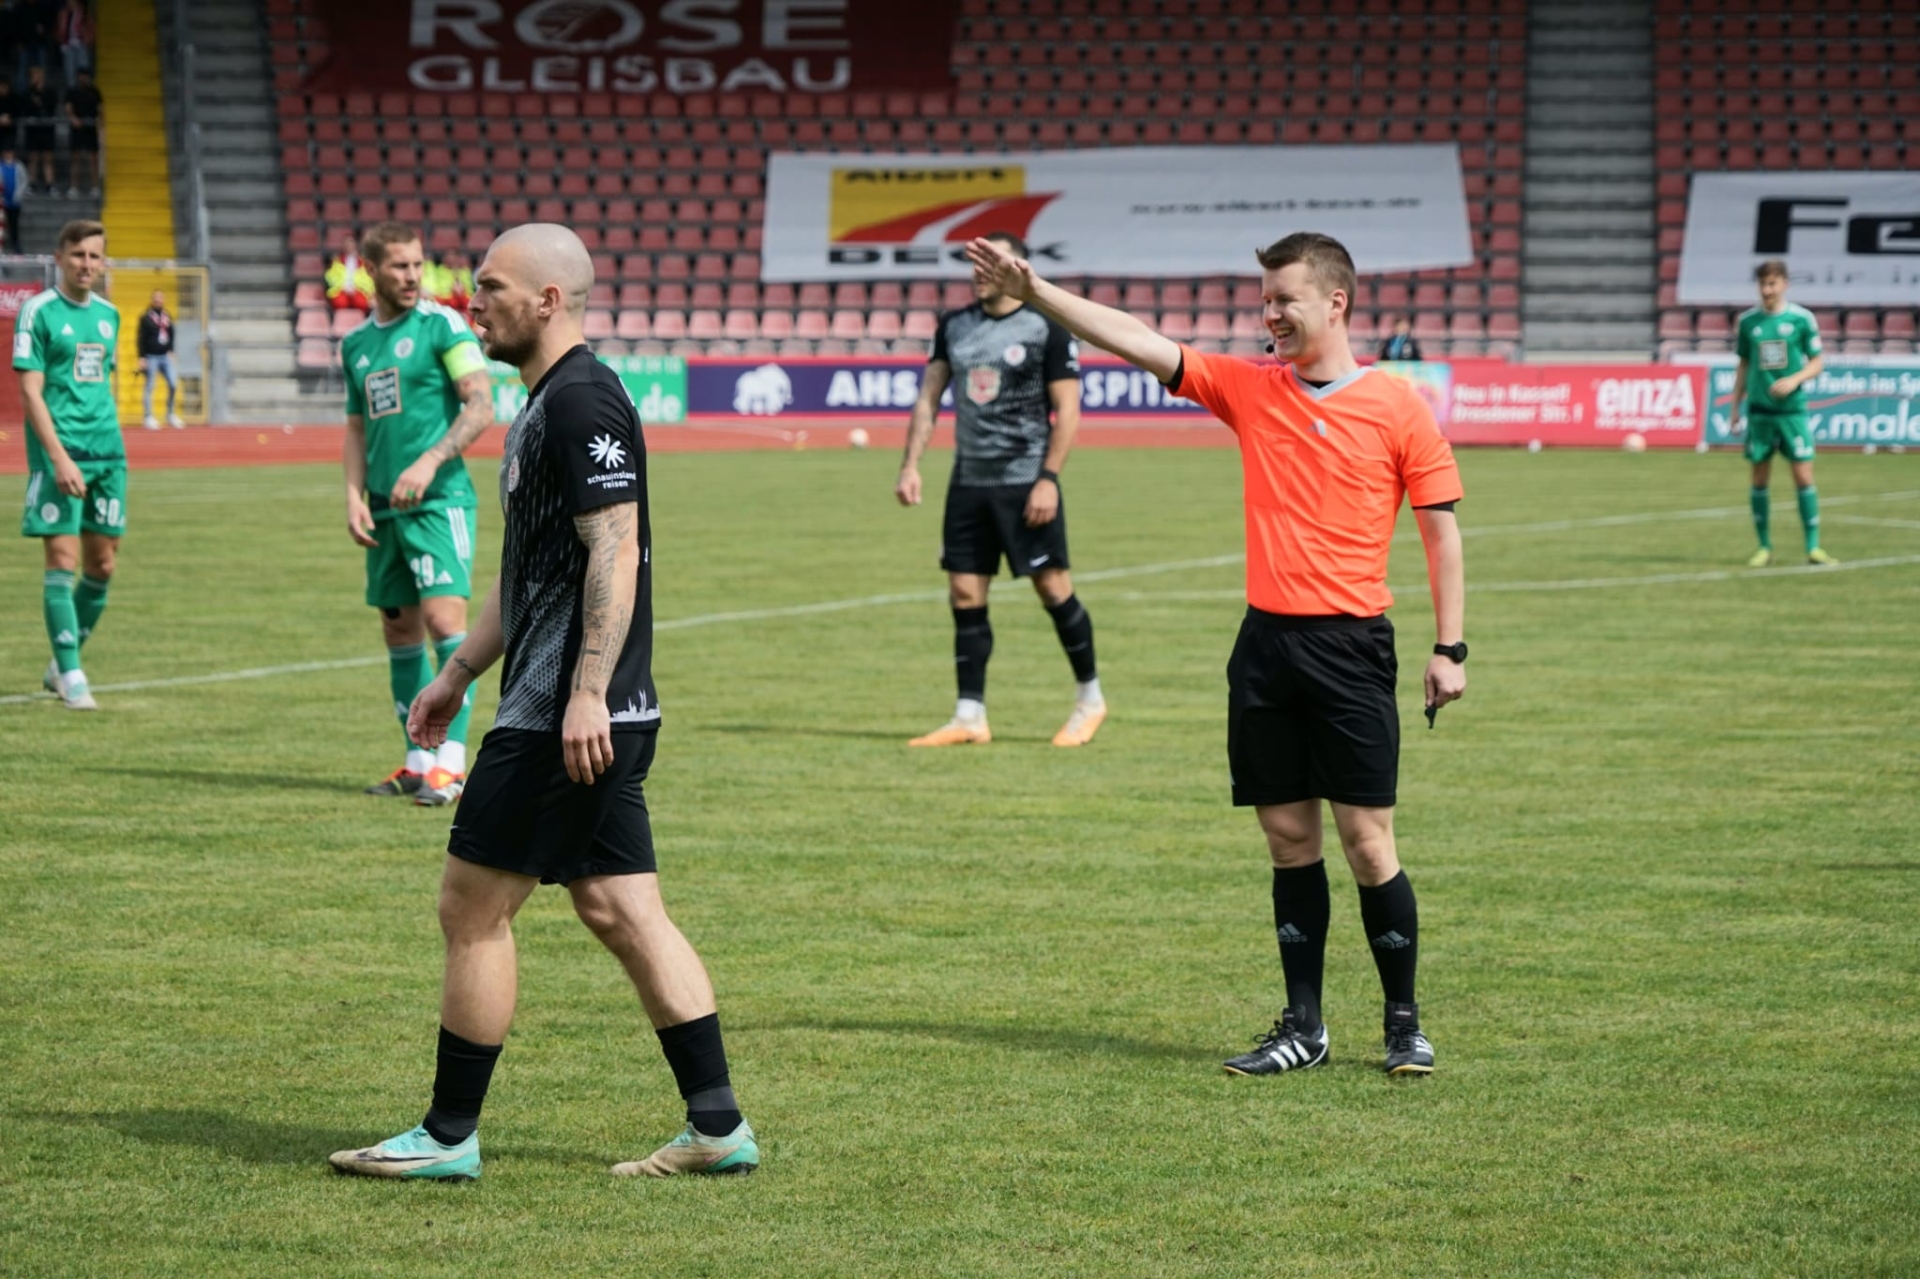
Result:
{"points": [[1762, 502], [89, 601], [442, 650], [1810, 516], [408, 672], [63, 628]]}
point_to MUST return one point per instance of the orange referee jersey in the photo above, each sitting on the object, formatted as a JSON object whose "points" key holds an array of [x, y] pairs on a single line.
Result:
{"points": [[1325, 470]]}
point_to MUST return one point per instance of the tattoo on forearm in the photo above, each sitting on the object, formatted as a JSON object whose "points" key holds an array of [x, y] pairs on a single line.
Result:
{"points": [[476, 415], [461, 662], [606, 596]]}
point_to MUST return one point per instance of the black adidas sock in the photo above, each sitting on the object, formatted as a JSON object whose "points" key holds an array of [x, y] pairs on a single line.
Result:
{"points": [[1301, 909], [1392, 922], [459, 1087], [972, 646], [699, 1063], [1075, 629]]}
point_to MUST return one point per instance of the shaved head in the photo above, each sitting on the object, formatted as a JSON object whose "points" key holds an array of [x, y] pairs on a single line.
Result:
{"points": [[538, 254], [530, 293]]}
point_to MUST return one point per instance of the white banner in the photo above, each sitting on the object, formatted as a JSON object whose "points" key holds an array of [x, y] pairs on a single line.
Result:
{"points": [[1849, 239], [1126, 211]]}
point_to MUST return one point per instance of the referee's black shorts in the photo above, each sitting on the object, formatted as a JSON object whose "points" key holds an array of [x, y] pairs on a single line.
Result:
{"points": [[985, 521], [1311, 711], [522, 813]]}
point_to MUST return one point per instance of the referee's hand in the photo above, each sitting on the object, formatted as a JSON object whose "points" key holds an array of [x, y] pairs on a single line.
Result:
{"points": [[586, 737], [1446, 681]]}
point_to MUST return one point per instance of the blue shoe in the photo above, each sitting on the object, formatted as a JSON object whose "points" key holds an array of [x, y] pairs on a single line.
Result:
{"points": [[413, 1154], [699, 1155]]}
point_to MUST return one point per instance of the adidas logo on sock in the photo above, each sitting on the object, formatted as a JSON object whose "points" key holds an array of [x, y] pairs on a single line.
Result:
{"points": [[64, 637], [1288, 933], [1390, 940]]}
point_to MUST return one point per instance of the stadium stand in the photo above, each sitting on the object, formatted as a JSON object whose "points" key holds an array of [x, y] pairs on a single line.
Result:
{"points": [[668, 191], [1741, 89]]}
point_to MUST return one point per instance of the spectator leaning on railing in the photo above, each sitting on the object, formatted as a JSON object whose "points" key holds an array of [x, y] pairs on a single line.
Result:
{"points": [[83, 122], [13, 189]]}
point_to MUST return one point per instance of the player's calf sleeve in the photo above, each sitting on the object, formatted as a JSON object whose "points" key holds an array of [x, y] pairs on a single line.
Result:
{"points": [[1392, 921], [89, 602], [63, 626], [698, 1060], [1761, 500], [407, 674], [972, 646], [462, 1072], [457, 730], [1302, 907], [1810, 515], [1075, 629]]}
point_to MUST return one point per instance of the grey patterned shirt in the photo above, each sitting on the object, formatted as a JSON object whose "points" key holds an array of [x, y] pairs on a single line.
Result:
{"points": [[1001, 370]]}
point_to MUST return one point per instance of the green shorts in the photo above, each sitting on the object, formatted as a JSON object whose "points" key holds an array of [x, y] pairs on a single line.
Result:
{"points": [[51, 513], [1785, 433], [421, 554]]}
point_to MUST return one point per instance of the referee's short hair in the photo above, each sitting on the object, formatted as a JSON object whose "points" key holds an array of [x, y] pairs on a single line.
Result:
{"points": [[1770, 268], [1328, 263], [1010, 240]]}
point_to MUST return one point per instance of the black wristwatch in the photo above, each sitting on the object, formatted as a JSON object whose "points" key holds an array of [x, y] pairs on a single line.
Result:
{"points": [[1458, 652]]}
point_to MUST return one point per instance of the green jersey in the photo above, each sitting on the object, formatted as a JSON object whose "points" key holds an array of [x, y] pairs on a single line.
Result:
{"points": [[402, 380], [73, 344], [1775, 346]]}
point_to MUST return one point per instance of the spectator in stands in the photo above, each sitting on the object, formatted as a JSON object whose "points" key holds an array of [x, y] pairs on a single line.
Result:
{"points": [[460, 280], [13, 189], [1401, 344], [156, 358], [31, 28], [9, 100], [349, 286], [436, 281], [83, 136], [39, 106], [73, 33]]}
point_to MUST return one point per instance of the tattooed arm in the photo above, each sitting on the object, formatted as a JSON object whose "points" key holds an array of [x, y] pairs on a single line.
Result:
{"points": [[611, 535], [476, 415]]}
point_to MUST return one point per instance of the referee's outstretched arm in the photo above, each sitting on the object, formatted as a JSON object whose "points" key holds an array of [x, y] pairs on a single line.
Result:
{"points": [[1103, 326]]}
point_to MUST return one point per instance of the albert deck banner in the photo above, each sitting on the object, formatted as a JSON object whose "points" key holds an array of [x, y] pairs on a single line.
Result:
{"points": [[1126, 211]]}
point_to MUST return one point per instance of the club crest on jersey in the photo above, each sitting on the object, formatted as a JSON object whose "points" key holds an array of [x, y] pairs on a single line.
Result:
{"points": [[983, 385], [403, 348], [106, 330], [513, 475], [1016, 355]]}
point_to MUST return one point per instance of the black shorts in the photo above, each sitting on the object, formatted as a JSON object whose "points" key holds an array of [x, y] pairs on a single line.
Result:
{"points": [[522, 813], [1311, 712], [39, 138], [84, 137], [984, 522]]}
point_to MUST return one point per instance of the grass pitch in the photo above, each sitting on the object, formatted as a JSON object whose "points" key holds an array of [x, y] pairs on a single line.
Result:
{"points": [[976, 999]]}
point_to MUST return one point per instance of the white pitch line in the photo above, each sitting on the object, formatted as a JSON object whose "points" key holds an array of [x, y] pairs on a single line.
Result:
{"points": [[1133, 570]]}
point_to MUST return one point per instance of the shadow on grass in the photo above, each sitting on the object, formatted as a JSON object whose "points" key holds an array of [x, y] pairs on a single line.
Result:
{"points": [[1019, 1038], [235, 781], [261, 1141]]}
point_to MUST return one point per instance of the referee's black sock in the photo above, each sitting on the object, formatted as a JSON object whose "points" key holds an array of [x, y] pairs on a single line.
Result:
{"points": [[1075, 629], [459, 1087], [699, 1063], [1392, 921], [1301, 909], [972, 646]]}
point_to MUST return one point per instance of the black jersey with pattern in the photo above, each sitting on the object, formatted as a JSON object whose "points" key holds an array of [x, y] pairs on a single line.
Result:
{"points": [[1001, 368], [574, 448]]}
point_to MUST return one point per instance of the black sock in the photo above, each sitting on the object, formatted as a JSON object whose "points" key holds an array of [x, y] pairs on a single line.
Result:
{"points": [[699, 1063], [972, 646], [1075, 629], [1301, 908], [1392, 922], [459, 1087]]}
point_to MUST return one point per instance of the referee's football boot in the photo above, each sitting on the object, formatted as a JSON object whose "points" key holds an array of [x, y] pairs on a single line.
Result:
{"points": [[439, 788], [957, 732], [696, 1154], [1408, 1052], [1286, 1047], [398, 783], [414, 1155]]}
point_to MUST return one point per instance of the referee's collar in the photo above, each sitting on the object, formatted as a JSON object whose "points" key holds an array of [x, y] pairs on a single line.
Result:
{"points": [[1322, 392]]}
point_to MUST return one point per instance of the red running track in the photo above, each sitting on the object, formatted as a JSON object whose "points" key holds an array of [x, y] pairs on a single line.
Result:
{"points": [[212, 446]]}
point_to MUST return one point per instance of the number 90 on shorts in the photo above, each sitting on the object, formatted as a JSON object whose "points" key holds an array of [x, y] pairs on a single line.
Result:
{"points": [[101, 509], [422, 554]]}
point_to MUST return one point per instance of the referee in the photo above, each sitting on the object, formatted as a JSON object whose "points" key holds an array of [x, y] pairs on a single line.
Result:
{"points": [[1329, 450], [556, 796]]}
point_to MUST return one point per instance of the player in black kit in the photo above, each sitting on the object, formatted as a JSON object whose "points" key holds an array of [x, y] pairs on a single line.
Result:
{"points": [[556, 795], [1009, 365]]}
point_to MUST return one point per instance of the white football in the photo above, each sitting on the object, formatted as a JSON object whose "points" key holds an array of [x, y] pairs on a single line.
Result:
{"points": [[857, 437], [1534, 446], [1634, 443]]}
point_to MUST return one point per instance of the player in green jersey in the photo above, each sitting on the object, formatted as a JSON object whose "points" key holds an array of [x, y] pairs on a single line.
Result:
{"points": [[418, 394], [1779, 348], [63, 345]]}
